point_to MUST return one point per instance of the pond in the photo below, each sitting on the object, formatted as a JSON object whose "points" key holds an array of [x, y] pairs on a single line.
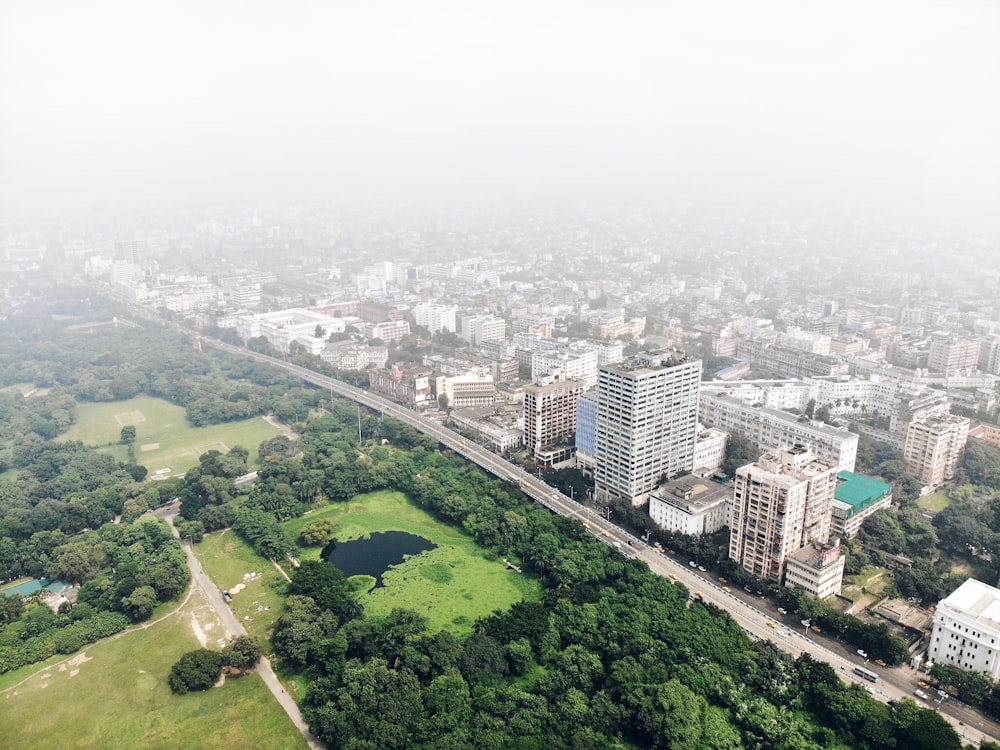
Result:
{"points": [[375, 555]]}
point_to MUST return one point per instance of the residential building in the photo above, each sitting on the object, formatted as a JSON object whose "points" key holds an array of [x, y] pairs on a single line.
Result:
{"points": [[387, 331], [786, 360], [966, 631], [647, 423], [436, 317], [948, 353], [709, 450], [817, 569], [772, 429], [690, 505], [780, 503], [550, 416], [933, 447], [857, 497], [577, 363], [479, 328]]}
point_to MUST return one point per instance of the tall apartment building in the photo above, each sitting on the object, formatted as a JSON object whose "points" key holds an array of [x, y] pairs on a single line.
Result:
{"points": [[781, 503], [934, 445], [772, 429], [436, 317], [647, 423], [966, 632], [550, 418], [389, 330], [479, 328]]}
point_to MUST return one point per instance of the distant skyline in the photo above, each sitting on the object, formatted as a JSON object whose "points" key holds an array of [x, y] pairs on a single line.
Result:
{"points": [[885, 108]]}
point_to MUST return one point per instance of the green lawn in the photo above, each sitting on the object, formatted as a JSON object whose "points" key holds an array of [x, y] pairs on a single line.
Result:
{"points": [[227, 558], [115, 695], [935, 502], [452, 585], [166, 443]]}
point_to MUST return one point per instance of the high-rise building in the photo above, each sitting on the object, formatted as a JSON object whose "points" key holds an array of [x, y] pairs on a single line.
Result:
{"points": [[586, 432], [781, 503], [949, 353], [647, 423], [550, 418], [933, 446], [435, 317], [479, 328]]}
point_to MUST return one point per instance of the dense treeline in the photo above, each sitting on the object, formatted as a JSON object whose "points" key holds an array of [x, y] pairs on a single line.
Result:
{"points": [[613, 657]]}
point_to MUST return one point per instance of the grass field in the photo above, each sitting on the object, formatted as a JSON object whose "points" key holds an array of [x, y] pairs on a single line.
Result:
{"points": [[166, 444], [226, 558], [451, 585], [115, 695], [934, 502]]}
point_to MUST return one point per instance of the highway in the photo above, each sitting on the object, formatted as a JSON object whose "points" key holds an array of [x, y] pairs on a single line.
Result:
{"points": [[753, 621]]}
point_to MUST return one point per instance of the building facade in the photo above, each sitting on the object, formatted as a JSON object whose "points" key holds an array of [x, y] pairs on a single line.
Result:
{"points": [[690, 505], [550, 416], [966, 631], [934, 446], [817, 569], [647, 424]]}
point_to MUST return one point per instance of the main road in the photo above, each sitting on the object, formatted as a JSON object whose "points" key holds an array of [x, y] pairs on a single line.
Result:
{"points": [[752, 620]]}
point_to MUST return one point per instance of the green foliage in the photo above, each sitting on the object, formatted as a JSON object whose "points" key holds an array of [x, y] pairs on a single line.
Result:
{"points": [[316, 533], [982, 463], [195, 670], [327, 587], [128, 434], [243, 653]]}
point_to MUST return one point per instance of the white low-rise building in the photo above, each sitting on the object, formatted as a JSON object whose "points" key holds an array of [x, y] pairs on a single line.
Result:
{"points": [[690, 505], [966, 632], [817, 569]]}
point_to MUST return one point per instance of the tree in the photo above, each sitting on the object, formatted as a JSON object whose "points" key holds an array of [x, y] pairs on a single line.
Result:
{"points": [[140, 603], [317, 532], [243, 653], [326, 586], [195, 670], [443, 402], [128, 434]]}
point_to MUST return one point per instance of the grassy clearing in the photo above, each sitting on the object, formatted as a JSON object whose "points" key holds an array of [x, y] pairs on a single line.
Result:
{"points": [[115, 695], [934, 502], [451, 585], [226, 558], [166, 443]]}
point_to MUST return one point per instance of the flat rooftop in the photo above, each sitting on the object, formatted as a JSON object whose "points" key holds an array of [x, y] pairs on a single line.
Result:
{"points": [[977, 600], [860, 491]]}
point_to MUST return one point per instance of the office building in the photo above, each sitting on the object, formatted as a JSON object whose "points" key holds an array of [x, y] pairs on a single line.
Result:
{"points": [[690, 505], [436, 317], [586, 432], [550, 419], [647, 423]]}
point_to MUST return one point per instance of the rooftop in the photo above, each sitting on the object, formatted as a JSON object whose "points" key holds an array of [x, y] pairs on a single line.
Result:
{"points": [[978, 600], [860, 491]]}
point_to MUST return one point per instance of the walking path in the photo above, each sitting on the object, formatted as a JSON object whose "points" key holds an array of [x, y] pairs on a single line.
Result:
{"points": [[235, 628]]}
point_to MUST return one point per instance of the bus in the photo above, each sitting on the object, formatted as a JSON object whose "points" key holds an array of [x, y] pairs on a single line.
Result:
{"points": [[866, 673]]}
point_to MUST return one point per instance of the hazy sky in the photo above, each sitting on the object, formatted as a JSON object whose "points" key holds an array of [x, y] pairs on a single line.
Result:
{"points": [[892, 105]]}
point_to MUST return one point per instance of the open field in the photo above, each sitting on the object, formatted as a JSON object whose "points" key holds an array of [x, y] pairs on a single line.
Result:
{"points": [[226, 558], [115, 695], [165, 443], [934, 502], [451, 585]]}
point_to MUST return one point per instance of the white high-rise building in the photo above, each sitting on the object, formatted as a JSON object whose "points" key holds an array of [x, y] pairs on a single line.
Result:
{"points": [[781, 503], [435, 317], [479, 328], [647, 423]]}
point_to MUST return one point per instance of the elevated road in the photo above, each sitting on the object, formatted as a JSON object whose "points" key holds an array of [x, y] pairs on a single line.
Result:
{"points": [[753, 621]]}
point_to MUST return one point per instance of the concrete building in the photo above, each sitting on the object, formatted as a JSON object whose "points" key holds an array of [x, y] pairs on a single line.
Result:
{"points": [[786, 360], [690, 505], [550, 418], [282, 327], [479, 328], [966, 631], [409, 385], [350, 355], [577, 363], [709, 451], [647, 423], [857, 497], [498, 427], [436, 317], [948, 353], [988, 433], [772, 429], [817, 569], [934, 445], [780, 503], [462, 391], [388, 330]]}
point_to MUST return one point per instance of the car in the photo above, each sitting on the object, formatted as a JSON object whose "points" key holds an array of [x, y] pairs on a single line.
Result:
{"points": [[771, 624], [880, 663], [693, 564], [727, 589], [920, 694], [923, 684], [806, 623], [862, 653], [782, 634], [815, 628], [701, 568], [782, 610], [942, 693], [672, 576], [723, 580], [698, 595], [747, 589]]}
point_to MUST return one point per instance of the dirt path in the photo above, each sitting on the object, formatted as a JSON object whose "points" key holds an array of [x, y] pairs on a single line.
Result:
{"points": [[281, 427]]}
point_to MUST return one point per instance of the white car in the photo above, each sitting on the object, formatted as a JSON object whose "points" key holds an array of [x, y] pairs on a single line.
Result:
{"points": [[782, 611], [862, 653]]}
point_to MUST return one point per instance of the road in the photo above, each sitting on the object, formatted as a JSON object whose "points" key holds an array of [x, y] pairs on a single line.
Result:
{"points": [[753, 621], [235, 628]]}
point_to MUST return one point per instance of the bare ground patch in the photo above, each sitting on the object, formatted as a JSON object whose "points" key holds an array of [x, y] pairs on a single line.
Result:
{"points": [[130, 417], [149, 447]]}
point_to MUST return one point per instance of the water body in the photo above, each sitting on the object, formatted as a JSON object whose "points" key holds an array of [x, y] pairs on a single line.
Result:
{"points": [[375, 555]]}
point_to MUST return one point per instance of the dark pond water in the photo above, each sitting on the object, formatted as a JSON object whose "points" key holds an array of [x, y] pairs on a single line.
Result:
{"points": [[375, 555]]}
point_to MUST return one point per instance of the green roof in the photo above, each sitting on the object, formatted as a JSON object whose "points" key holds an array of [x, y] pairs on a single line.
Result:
{"points": [[860, 491]]}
